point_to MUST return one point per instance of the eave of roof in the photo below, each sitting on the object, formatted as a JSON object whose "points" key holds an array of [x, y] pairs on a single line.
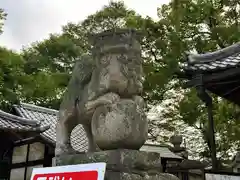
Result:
{"points": [[50, 117], [9, 122], [162, 149], [78, 138], [33, 107], [18, 119], [225, 58]]}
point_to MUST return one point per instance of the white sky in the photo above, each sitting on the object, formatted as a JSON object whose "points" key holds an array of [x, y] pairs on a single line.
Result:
{"points": [[32, 20]]}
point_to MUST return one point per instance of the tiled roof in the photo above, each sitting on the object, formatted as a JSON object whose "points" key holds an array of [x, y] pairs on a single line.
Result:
{"points": [[49, 117], [19, 124], [78, 139], [225, 58], [163, 150]]}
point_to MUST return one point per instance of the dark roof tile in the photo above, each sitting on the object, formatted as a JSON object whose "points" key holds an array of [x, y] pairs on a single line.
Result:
{"points": [[218, 60], [78, 138], [16, 123], [49, 117], [163, 150]]}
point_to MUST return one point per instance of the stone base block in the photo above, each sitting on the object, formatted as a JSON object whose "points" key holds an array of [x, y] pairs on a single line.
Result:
{"points": [[129, 176], [122, 164]]}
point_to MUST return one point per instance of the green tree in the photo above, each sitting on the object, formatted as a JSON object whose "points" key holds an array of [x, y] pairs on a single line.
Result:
{"points": [[57, 54], [203, 26], [117, 15], [2, 18], [12, 77], [183, 25], [49, 64]]}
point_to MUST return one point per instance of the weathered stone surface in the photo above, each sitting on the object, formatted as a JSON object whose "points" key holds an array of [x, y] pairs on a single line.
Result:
{"points": [[122, 124], [113, 71], [104, 96], [122, 164], [127, 176], [133, 159], [176, 140]]}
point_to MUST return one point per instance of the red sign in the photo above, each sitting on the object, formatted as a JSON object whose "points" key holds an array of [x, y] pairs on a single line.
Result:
{"points": [[86, 175], [93, 171]]}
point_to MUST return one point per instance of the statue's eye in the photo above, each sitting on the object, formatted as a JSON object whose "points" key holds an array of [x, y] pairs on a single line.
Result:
{"points": [[123, 58], [105, 60], [132, 60], [136, 59]]}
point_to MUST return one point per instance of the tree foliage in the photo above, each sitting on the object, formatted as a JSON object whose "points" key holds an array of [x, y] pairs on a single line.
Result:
{"points": [[204, 26], [57, 53], [49, 63], [11, 77], [2, 18], [41, 72]]}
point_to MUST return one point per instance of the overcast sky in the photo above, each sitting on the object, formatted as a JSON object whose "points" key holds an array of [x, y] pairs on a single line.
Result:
{"points": [[32, 20]]}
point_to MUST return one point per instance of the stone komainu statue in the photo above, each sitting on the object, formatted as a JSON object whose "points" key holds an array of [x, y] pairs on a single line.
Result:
{"points": [[104, 95]]}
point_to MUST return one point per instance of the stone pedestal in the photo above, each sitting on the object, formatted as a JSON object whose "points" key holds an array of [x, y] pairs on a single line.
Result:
{"points": [[122, 164]]}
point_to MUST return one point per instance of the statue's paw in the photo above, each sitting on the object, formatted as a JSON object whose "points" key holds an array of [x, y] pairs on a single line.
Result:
{"points": [[139, 101], [109, 98], [65, 150], [94, 149]]}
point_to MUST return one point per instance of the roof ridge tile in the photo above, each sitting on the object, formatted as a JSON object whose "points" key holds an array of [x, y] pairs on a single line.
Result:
{"points": [[231, 50], [18, 119]]}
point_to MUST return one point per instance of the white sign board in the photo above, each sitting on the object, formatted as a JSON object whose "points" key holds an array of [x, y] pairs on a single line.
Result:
{"points": [[211, 176], [94, 171]]}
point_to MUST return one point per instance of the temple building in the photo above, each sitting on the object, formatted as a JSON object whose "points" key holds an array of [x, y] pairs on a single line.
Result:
{"points": [[21, 146], [28, 139], [216, 72], [28, 134]]}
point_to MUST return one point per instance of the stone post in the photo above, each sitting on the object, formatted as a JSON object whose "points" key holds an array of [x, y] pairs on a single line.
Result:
{"points": [[119, 128], [176, 141]]}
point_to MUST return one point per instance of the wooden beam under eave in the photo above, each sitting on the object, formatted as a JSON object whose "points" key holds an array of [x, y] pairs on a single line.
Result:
{"points": [[219, 83], [218, 76], [29, 140], [227, 89]]}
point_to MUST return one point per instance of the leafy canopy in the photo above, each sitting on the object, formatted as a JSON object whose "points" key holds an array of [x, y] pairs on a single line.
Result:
{"points": [[43, 69], [2, 18], [204, 26]]}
